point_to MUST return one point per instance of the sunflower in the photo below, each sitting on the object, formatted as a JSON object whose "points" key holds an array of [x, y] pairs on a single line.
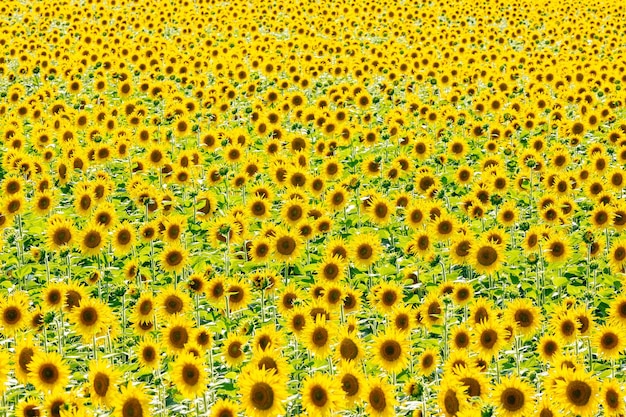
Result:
{"points": [[90, 318], [25, 350], [617, 256], [564, 327], [144, 309], [386, 296], [60, 233], [548, 347], [123, 238], [462, 294], [557, 249], [189, 375], [476, 383], [391, 351], [238, 293], [262, 393], [132, 401], [171, 301], [403, 319], [460, 248], [297, 319], [176, 333], [427, 361], [486, 256], [48, 371], [103, 382], [365, 249], [489, 338], [173, 258], [460, 337], [148, 354], [286, 246], [513, 397], [379, 398], [318, 335], [4, 369], [224, 408], [524, 316], [612, 395], [577, 392], [92, 239], [609, 341], [216, 291], [617, 310], [260, 249], [233, 349], [28, 407], [432, 310], [452, 397], [14, 311], [321, 395]]}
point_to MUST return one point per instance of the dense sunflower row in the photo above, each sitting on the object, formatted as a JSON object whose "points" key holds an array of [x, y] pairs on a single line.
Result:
{"points": [[312, 208]]}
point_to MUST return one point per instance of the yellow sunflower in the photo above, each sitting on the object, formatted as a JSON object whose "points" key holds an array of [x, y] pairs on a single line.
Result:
{"points": [[321, 395], [189, 375], [262, 393]]}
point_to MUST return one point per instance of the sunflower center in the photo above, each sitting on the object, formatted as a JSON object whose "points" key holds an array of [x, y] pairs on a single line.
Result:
{"points": [[234, 350], [285, 245], [319, 396], [148, 354], [451, 402], [486, 256], [88, 316], [390, 350], [93, 239], [331, 271], [461, 340], [174, 258], [348, 349], [350, 385], [524, 317], [132, 408], [48, 373], [609, 340], [578, 393], [462, 249], [62, 236], [619, 254], [612, 399], [365, 251], [101, 384], [473, 386], [557, 249], [320, 337], [488, 338], [123, 237], [72, 299], [25, 357], [173, 305], [145, 307], [512, 399], [377, 399], [178, 337], [236, 294], [262, 396], [11, 315], [191, 375]]}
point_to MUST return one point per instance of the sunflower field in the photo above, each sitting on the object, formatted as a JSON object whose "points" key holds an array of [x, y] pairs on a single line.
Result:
{"points": [[312, 208]]}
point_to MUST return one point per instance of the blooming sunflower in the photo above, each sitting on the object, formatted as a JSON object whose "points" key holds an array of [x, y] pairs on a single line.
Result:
{"points": [[286, 245], [262, 393], [92, 239], [609, 341], [224, 408], [103, 381], [452, 397], [148, 354], [174, 258], [171, 301], [48, 371], [489, 338], [525, 317], [317, 336], [379, 398], [233, 349], [13, 312], [189, 375], [132, 401], [512, 397], [486, 256], [365, 250], [391, 351], [91, 317], [321, 395], [577, 391], [612, 395]]}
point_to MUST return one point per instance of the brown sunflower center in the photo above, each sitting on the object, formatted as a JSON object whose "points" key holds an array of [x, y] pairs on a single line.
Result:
{"points": [[132, 408], [473, 386], [190, 374], [578, 393], [178, 337], [101, 384], [487, 256], [348, 349], [319, 396], [390, 350], [488, 338], [451, 402], [285, 245], [377, 399], [11, 315], [173, 304], [262, 396], [512, 399], [320, 337], [92, 239], [350, 385], [88, 316], [48, 373]]}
